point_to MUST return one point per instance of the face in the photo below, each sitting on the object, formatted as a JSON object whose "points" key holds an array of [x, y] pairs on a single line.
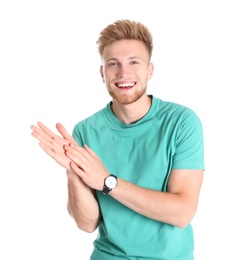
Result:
{"points": [[126, 70]]}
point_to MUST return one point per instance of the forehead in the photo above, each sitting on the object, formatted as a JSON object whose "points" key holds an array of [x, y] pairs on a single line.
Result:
{"points": [[125, 48]]}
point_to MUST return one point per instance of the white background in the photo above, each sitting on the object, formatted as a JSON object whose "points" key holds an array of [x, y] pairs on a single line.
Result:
{"points": [[49, 72]]}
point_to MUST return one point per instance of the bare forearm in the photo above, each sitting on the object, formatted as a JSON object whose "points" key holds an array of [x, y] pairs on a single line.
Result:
{"points": [[82, 205], [166, 207]]}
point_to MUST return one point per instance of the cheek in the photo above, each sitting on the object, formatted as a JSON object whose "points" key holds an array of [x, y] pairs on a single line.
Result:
{"points": [[104, 77], [144, 76], [107, 76]]}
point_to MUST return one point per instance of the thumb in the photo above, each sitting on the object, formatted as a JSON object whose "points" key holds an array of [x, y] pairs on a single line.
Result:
{"points": [[64, 133]]}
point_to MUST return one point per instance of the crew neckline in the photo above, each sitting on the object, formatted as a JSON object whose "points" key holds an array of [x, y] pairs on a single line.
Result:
{"points": [[117, 121]]}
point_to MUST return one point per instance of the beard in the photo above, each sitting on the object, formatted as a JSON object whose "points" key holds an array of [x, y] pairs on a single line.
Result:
{"points": [[124, 99]]}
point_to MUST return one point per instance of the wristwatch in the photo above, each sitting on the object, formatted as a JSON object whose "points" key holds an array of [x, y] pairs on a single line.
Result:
{"points": [[110, 183]]}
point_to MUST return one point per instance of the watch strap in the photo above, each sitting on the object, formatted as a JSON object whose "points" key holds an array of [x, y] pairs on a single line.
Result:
{"points": [[105, 190]]}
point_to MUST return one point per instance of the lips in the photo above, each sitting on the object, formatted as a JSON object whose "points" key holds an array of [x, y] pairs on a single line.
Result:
{"points": [[125, 84]]}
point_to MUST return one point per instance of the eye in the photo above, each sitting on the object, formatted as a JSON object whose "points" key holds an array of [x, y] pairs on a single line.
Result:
{"points": [[134, 62], [112, 64]]}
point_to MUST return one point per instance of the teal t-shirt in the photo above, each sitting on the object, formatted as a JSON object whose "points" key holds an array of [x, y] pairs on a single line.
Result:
{"points": [[168, 137]]}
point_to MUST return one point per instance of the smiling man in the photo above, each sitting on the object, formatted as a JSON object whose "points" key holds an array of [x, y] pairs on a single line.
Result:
{"points": [[126, 70], [135, 167]]}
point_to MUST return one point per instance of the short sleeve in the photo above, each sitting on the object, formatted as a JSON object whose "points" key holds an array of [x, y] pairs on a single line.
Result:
{"points": [[189, 150]]}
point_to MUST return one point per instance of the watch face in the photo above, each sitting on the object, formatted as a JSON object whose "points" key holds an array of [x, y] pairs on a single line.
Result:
{"points": [[111, 182]]}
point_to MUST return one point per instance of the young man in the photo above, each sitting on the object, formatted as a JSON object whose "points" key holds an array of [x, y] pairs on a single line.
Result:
{"points": [[134, 168]]}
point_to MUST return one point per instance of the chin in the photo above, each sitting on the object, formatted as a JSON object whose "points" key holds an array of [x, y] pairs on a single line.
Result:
{"points": [[126, 99]]}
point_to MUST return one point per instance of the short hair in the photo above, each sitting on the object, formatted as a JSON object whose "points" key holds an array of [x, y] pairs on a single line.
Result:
{"points": [[125, 30]]}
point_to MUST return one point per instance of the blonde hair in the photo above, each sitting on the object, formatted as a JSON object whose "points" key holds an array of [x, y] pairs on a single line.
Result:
{"points": [[125, 30]]}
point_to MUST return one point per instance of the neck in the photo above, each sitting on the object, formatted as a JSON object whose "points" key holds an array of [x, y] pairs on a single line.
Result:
{"points": [[133, 112]]}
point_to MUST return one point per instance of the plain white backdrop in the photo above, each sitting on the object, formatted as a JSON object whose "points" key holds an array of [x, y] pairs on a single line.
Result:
{"points": [[49, 72]]}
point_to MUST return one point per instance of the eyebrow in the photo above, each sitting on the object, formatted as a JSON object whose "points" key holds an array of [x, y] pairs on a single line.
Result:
{"points": [[130, 58]]}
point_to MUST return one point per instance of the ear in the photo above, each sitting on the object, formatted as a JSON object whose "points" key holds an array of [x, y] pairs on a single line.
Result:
{"points": [[101, 72], [150, 70]]}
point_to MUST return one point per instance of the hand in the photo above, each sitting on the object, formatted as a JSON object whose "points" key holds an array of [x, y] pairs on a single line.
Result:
{"points": [[87, 165], [53, 144]]}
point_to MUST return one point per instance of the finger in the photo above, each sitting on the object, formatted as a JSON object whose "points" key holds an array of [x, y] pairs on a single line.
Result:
{"points": [[45, 135], [40, 135], [82, 156], [46, 130], [75, 146], [78, 170], [76, 156], [91, 152], [64, 133]]}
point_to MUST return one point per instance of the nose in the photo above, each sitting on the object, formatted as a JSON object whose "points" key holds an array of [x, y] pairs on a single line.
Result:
{"points": [[123, 71]]}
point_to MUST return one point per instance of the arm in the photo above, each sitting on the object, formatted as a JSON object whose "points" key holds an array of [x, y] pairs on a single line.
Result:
{"points": [[82, 204], [176, 207]]}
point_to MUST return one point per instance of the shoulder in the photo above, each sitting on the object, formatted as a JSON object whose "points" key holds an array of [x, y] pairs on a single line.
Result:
{"points": [[93, 119], [89, 126], [174, 111]]}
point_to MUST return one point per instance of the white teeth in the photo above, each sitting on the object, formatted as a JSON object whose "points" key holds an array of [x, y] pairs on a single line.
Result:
{"points": [[125, 85]]}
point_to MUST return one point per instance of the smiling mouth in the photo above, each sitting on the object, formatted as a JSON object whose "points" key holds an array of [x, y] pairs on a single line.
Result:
{"points": [[125, 85]]}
